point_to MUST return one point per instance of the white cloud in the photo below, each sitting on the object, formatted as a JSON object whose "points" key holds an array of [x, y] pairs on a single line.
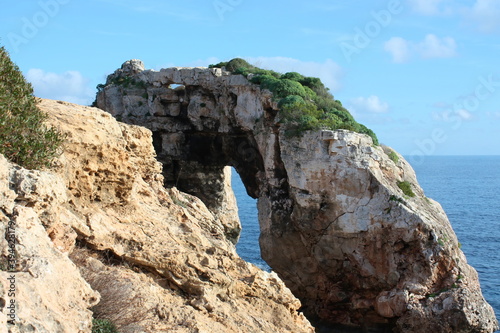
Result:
{"points": [[485, 13], [328, 71], [435, 47], [451, 115], [431, 47], [482, 13], [371, 104], [69, 86], [399, 48]]}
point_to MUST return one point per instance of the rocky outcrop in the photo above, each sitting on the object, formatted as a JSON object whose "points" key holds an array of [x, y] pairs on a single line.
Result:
{"points": [[374, 253], [346, 227], [41, 289], [147, 258]]}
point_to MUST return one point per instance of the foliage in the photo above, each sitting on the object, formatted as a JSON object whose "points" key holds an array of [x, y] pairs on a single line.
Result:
{"points": [[126, 82], [103, 326], [305, 103], [240, 66], [236, 64], [293, 76], [284, 87], [393, 156], [406, 188], [298, 114], [24, 138], [219, 65], [396, 199]]}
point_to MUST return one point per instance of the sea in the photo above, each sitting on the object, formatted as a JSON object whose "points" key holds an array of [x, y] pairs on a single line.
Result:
{"points": [[468, 188]]}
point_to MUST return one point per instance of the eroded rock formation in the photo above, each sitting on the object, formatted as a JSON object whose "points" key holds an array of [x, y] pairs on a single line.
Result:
{"points": [[335, 225], [47, 290], [147, 258]]}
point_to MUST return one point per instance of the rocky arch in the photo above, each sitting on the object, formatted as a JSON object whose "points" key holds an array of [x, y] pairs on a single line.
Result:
{"points": [[199, 130], [335, 225]]}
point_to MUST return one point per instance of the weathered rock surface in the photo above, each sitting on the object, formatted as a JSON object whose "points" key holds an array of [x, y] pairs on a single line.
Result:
{"points": [[373, 253], [335, 225], [46, 288], [157, 260]]}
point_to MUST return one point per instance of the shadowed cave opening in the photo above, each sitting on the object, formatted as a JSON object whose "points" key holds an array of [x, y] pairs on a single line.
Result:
{"points": [[199, 170]]}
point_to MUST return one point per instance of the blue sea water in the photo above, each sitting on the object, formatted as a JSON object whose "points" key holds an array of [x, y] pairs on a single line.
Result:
{"points": [[468, 188], [248, 245]]}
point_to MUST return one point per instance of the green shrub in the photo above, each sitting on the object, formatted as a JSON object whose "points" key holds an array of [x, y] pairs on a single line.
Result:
{"points": [[294, 76], [365, 130], [317, 107], [260, 71], [396, 199], [393, 156], [285, 87], [103, 326], [242, 70], [406, 188], [312, 82], [265, 81], [24, 137], [241, 66], [237, 63], [127, 82], [219, 65], [291, 102]]}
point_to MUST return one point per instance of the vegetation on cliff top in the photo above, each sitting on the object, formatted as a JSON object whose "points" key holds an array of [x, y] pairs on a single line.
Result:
{"points": [[305, 103], [24, 138]]}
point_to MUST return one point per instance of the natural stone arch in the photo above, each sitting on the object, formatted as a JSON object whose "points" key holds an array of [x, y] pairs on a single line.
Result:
{"points": [[334, 223], [194, 138]]}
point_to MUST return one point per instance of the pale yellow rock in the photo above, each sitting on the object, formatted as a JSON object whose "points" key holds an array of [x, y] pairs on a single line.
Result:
{"points": [[49, 293], [162, 246]]}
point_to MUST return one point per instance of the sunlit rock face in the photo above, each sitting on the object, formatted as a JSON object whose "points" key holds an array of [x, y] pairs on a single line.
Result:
{"points": [[347, 228], [98, 236]]}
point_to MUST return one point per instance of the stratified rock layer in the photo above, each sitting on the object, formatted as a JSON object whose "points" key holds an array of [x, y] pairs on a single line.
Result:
{"points": [[335, 223], [147, 258]]}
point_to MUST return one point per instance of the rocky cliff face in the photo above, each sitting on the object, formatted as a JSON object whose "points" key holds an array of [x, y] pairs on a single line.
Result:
{"points": [[348, 229], [46, 293], [99, 236]]}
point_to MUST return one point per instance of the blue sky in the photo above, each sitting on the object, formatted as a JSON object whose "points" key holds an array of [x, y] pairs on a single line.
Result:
{"points": [[422, 74]]}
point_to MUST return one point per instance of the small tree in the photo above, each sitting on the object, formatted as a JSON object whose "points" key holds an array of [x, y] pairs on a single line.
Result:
{"points": [[24, 138]]}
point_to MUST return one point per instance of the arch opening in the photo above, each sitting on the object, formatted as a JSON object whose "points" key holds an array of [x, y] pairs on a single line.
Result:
{"points": [[248, 247]]}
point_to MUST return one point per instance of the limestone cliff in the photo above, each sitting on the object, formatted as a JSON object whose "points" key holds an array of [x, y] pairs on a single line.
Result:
{"points": [[335, 222], [99, 236], [46, 293]]}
